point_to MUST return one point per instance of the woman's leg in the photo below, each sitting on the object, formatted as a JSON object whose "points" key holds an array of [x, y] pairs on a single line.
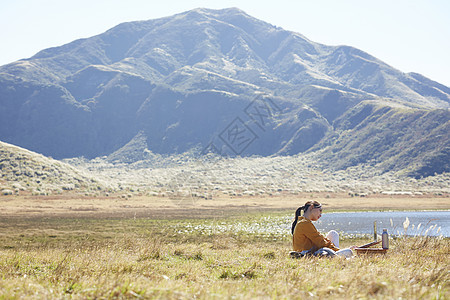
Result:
{"points": [[347, 252], [333, 236], [325, 252]]}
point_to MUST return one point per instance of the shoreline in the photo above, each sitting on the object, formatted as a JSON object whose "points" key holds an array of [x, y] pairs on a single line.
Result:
{"points": [[118, 205]]}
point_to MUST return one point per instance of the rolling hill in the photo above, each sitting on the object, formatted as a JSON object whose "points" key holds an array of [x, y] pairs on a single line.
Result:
{"points": [[24, 170]]}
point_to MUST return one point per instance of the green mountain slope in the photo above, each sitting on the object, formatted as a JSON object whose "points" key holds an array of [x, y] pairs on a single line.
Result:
{"points": [[395, 138]]}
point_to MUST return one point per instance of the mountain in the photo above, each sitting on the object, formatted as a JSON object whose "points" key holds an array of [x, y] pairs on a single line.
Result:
{"points": [[222, 81]]}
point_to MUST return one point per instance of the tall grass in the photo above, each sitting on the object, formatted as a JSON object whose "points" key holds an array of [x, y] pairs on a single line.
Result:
{"points": [[139, 258]]}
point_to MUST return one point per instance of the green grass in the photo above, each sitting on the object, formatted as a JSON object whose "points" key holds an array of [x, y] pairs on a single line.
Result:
{"points": [[94, 258]]}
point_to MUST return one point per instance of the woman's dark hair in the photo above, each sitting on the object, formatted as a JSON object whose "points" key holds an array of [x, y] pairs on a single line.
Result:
{"points": [[304, 208]]}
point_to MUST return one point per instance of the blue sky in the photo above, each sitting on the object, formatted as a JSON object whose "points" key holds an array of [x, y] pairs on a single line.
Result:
{"points": [[410, 35]]}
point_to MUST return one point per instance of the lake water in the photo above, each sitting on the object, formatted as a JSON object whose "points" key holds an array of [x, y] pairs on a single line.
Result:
{"points": [[423, 223], [430, 223]]}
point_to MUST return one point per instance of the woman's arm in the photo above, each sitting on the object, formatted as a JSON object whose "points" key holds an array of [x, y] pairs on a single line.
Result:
{"points": [[318, 239]]}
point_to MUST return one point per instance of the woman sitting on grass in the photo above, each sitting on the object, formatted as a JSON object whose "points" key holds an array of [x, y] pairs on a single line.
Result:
{"points": [[307, 239]]}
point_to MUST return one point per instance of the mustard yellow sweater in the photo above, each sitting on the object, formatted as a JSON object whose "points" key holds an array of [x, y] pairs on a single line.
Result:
{"points": [[306, 237]]}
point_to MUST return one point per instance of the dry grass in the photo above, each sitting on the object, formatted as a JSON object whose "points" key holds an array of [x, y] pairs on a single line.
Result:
{"points": [[54, 258], [190, 176], [186, 174]]}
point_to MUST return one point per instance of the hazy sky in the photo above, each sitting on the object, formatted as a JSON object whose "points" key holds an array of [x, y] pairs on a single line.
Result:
{"points": [[410, 35]]}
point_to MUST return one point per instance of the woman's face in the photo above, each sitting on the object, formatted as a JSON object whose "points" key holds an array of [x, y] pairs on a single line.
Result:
{"points": [[316, 213]]}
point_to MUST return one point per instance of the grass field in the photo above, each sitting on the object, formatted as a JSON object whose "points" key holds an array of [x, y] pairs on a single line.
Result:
{"points": [[88, 254]]}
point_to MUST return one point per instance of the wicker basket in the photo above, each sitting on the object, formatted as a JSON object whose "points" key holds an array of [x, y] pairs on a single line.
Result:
{"points": [[360, 251]]}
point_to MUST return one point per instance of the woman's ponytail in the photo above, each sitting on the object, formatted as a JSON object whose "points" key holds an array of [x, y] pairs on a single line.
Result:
{"points": [[298, 212]]}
